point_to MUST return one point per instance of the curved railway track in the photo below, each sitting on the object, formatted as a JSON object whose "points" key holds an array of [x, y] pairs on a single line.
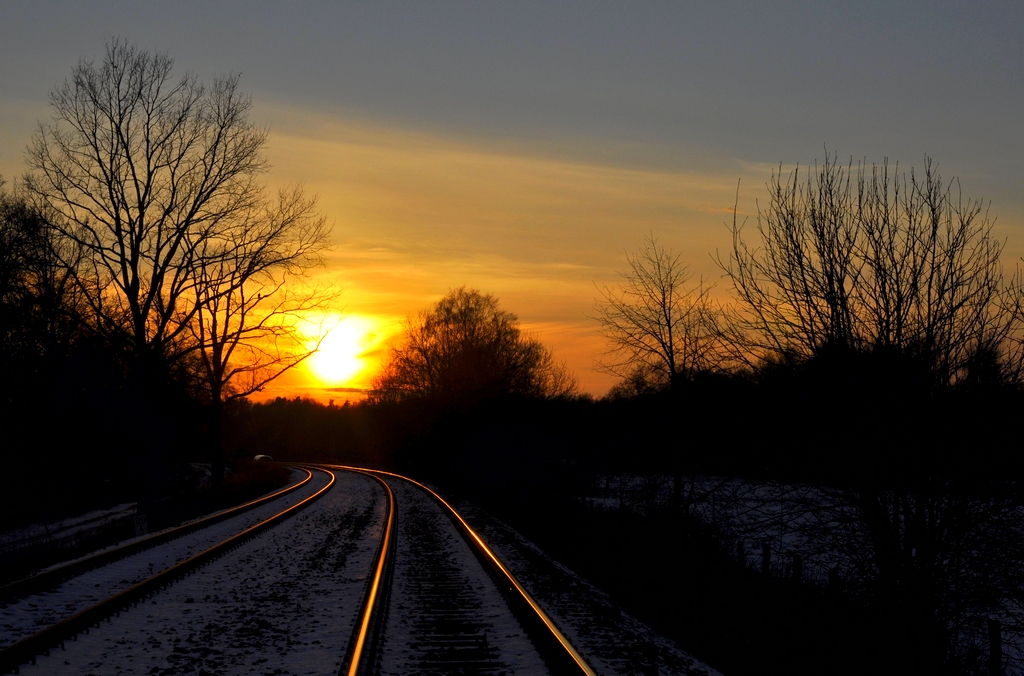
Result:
{"points": [[451, 607], [457, 648]]}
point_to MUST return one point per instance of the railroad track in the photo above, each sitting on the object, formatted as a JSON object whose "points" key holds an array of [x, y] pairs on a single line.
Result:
{"points": [[444, 637], [433, 598]]}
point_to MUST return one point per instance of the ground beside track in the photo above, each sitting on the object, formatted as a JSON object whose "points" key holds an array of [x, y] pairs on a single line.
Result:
{"points": [[24, 616], [611, 640], [284, 602]]}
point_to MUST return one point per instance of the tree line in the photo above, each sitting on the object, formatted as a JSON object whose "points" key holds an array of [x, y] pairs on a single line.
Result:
{"points": [[849, 263]]}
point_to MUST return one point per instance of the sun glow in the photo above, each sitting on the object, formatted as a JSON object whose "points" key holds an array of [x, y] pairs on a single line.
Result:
{"points": [[347, 351]]}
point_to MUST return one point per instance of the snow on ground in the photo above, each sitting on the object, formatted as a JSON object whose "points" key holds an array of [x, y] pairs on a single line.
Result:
{"points": [[789, 517], [612, 641], [445, 615], [23, 617], [53, 531], [284, 602], [295, 476], [74, 527]]}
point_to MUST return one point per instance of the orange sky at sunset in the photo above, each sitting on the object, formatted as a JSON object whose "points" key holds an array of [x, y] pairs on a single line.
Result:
{"points": [[416, 215], [536, 223]]}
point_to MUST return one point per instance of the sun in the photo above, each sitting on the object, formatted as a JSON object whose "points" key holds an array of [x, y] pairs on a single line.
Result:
{"points": [[343, 353]]}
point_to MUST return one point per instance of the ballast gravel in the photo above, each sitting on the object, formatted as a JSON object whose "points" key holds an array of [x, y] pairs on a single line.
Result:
{"points": [[445, 614], [285, 602]]}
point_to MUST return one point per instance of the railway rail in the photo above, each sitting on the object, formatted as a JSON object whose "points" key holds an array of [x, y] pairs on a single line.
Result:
{"points": [[465, 629]]}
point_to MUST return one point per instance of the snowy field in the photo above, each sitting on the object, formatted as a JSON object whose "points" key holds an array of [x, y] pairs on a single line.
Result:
{"points": [[25, 616], [284, 602], [789, 518]]}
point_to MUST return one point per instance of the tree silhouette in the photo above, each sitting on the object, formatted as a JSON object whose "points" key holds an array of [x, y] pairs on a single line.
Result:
{"points": [[467, 348], [661, 329], [41, 313], [864, 261], [140, 172], [183, 256], [883, 299], [246, 325]]}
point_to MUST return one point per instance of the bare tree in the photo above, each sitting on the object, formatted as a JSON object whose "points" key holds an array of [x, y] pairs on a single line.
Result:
{"points": [[140, 172], [661, 328], [184, 258], [466, 347], [663, 331], [858, 260], [246, 329]]}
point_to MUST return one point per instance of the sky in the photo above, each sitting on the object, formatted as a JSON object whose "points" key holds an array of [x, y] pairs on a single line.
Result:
{"points": [[525, 148]]}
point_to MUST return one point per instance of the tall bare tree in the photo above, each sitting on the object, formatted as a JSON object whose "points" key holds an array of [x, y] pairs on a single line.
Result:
{"points": [[184, 258], [894, 283], [140, 172], [661, 328], [858, 259]]}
